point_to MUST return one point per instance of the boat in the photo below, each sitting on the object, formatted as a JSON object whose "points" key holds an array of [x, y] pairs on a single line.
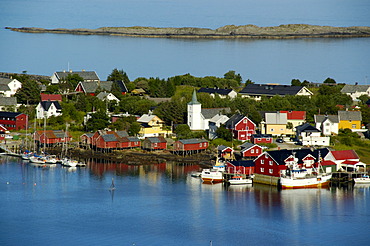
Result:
{"points": [[365, 179], [37, 159], [304, 177], [51, 159], [69, 162], [196, 174], [239, 180], [212, 175]]}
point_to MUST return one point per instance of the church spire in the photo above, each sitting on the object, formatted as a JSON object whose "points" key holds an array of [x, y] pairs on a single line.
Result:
{"points": [[194, 99]]}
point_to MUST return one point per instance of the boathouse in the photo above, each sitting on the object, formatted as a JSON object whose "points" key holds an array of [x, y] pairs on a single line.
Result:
{"points": [[240, 167], [190, 146], [225, 152], [130, 142], [250, 150], [261, 138], [154, 143], [13, 120], [51, 137]]}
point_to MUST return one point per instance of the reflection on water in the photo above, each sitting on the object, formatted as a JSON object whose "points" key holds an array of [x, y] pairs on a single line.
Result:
{"points": [[162, 202]]}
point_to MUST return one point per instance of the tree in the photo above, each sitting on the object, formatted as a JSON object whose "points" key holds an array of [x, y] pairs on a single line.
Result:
{"points": [[232, 75], [329, 81], [98, 121], [296, 82], [182, 131], [118, 75], [134, 129], [30, 91], [224, 133]]}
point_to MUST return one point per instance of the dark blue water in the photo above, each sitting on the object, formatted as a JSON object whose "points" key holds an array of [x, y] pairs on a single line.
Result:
{"points": [[163, 205], [262, 61]]}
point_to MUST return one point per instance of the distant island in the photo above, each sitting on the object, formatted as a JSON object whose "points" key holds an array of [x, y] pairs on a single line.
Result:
{"points": [[289, 31]]}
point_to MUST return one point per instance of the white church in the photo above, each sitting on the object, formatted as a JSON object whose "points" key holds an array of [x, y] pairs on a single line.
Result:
{"points": [[200, 119]]}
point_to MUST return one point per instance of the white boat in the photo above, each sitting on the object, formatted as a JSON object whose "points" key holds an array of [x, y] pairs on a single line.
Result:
{"points": [[365, 179], [69, 162], [238, 180], [37, 159], [309, 177], [212, 175], [51, 159]]}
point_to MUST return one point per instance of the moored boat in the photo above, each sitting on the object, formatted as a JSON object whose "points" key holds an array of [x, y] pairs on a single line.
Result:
{"points": [[365, 179], [238, 180], [310, 181], [212, 175]]}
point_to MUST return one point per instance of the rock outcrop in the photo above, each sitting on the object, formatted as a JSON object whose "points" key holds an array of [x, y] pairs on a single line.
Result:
{"points": [[230, 31]]}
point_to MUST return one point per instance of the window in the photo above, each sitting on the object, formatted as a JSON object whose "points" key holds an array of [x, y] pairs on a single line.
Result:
{"points": [[262, 170], [272, 129], [252, 151], [256, 151], [353, 125], [270, 162], [271, 171], [262, 161], [200, 145]]}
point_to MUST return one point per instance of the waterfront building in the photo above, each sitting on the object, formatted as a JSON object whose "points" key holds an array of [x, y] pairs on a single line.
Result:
{"points": [[154, 143], [51, 137], [190, 146], [14, 120], [241, 127]]}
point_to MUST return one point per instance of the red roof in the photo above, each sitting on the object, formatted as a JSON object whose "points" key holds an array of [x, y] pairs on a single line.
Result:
{"points": [[295, 115], [350, 162], [51, 97], [328, 163], [345, 154]]}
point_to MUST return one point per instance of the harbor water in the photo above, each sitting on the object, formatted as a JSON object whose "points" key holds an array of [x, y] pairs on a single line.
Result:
{"points": [[163, 205]]}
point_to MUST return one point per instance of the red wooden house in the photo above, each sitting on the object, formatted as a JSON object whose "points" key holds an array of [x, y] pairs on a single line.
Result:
{"points": [[86, 138], [190, 146], [13, 120], [51, 137], [225, 152], [250, 150], [274, 163], [240, 167], [51, 97], [154, 143], [97, 134], [241, 127], [261, 138], [130, 142]]}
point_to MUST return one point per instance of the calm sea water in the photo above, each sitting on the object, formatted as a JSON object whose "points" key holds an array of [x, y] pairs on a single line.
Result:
{"points": [[263, 61], [163, 205]]}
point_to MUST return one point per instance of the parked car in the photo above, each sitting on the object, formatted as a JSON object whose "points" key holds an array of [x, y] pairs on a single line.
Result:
{"points": [[298, 143], [280, 140]]}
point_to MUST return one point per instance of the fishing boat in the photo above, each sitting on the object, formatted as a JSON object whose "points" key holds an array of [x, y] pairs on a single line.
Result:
{"points": [[212, 175], [365, 179], [298, 177], [239, 180]]}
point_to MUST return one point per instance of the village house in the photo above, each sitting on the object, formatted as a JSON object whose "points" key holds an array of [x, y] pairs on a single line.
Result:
{"points": [[108, 97], [328, 124], [274, 124], [90, 88], [8, 87], [48, 109], [51, 97], [87, 76], [294, 119], [261, 138], [355, 91], [347, 160], [257, 91], [98, 134], [222, 93], [225, 152], [271, 165], [245, 167], [13, 120], [152, 126], [190, 146], [311, 136], [215, 123], [241, 127], [51, 137], [8, 103], [250, 150], [350, 119], [154, 143], [198, 118]]}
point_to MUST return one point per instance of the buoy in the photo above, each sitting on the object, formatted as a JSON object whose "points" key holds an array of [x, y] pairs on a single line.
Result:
{"points": [[34, 184], [7, 183]]}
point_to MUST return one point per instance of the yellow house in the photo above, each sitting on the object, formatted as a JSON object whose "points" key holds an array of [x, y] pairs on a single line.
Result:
{"points": [[152, 126], [275, 124], [350, 119]]}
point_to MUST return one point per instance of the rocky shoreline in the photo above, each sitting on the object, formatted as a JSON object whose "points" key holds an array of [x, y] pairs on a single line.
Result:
{"points": [[290, 31]]}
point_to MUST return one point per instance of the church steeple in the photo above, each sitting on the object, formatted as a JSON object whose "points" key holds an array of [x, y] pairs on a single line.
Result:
{"points": [[194, 99]]}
